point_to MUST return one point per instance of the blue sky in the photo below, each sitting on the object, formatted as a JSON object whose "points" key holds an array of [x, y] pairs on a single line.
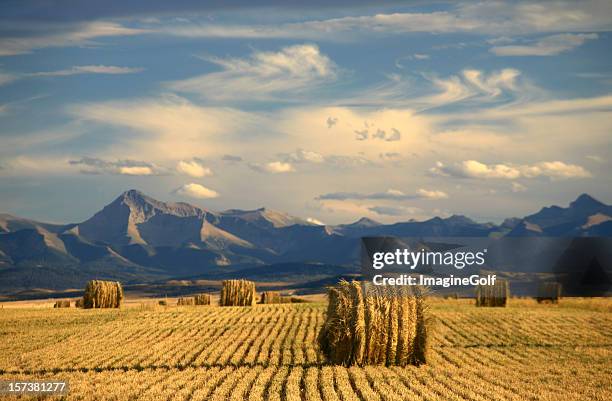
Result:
{"points": [[331, 111]]}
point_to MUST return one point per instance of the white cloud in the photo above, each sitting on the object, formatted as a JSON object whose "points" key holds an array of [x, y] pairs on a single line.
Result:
{"points": [[557, 169], [431, 194], [6, 78], [78, 35], [596, 158], [419, 56], [135, 170], [171, 127], [470, 85], [87, 69], [547, 46], [476, 169], [278, 167], [193, 169], [197, 191], [303, 156], [263, 75], [494, 18], [518, 187], [312, 220], [474, 85], [92, 165], [390, 194]]}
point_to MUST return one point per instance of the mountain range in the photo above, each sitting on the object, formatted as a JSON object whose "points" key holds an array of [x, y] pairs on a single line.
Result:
{"points": [[137, 239]]}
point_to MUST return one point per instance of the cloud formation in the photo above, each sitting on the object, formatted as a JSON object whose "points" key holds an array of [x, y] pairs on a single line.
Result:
{"points": [[476, 169], [547, 46], [77, 35], [92, 165], [193, 190], [390, 194], [193, 169], [431, 194], [87, 69], [491, 18], [273, 167], [263, 75]]}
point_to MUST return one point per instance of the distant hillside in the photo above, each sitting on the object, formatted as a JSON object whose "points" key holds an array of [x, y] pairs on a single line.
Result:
{"points": [[137, 238]]}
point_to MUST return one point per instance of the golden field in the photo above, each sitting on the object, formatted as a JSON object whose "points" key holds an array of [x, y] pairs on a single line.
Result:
{"points": [[143, 351]]}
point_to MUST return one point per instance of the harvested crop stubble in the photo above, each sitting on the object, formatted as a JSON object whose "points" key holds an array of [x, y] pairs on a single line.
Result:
{"points": [[237, 293], [202, 299], [185, 301], [62, 304], [271, 297], [549, 292], [493, 295], [371, 325], [102, 294]]}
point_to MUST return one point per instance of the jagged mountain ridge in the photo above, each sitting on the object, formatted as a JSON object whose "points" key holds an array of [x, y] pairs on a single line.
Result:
{"points": [[141, 235]]}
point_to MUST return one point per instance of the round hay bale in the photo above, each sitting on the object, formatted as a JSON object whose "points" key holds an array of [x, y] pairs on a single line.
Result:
{"points": [[185, 302], [272, 297], [64, 303], [495, 295], [102, 294], [370, 325], [237, 293]]}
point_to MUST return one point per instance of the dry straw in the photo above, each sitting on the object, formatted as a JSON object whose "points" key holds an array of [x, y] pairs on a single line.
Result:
{"points": [[202, 299], [62, 304], [370, 325], [102, 294], [237, 293], [493, 295], [271, 297], [549, 292]]}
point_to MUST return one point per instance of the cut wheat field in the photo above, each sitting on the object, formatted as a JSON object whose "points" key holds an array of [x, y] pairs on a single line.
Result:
{"points": [[269, 352]]}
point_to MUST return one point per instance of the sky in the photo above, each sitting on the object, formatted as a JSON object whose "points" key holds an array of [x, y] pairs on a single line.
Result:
{"points": [[332, 111]]}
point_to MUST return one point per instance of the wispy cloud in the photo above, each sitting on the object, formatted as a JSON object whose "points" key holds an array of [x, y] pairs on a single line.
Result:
{"points": [[547, 46], [170, 127], [86, 69], [78, 35], [263, 75], [6, 78], [390, 194], [394, 211], [92, 165], [493, 18]]}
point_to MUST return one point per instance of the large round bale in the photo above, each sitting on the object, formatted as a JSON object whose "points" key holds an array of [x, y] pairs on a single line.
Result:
{"points": [[237, 293], [102, 294], [271, 297], [185, 301], [202, 299], [62, 304], [78, 303], [549, 292], [493, 295], [371, 325]]}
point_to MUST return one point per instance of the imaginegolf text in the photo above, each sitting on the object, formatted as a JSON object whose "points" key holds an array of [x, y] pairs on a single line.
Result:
{"points": [[423, 280]]}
